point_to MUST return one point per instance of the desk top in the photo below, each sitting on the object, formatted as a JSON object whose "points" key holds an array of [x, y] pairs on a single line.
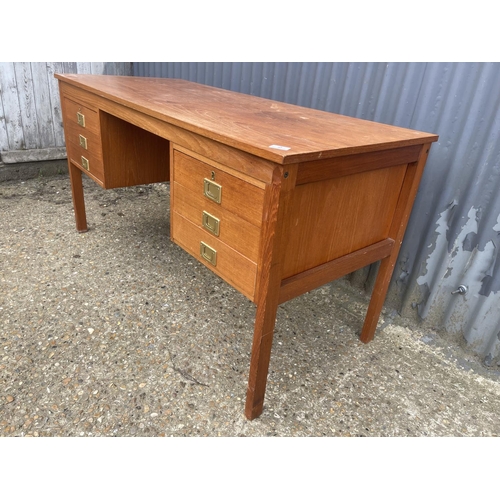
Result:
{"points": [[280, 132]]}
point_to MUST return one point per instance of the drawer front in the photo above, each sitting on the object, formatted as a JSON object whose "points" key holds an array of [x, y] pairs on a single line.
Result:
{"points": [[218, 189], [211, 218], [223, 260], [86, 118], [85, 160]]}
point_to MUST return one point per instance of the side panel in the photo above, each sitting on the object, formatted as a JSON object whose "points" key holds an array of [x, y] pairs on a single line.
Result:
{"points": [[329, 219]]}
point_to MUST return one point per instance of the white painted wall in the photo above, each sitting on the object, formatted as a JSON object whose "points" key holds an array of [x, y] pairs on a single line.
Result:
{"points": [[30, 111]]}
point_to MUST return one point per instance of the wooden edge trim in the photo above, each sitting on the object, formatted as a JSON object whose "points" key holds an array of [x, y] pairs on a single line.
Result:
{"points": [[331, 168], [317, 276]]}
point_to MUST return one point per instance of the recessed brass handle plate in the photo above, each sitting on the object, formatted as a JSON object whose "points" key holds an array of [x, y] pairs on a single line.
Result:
{"points": [[80, 118], [210, 223], [208, 253], [83, 141], [212, 190], [85, 163]]}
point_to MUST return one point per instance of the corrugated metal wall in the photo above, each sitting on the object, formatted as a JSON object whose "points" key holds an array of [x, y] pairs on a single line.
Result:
{"points": [[30, 112], [453, 236]]}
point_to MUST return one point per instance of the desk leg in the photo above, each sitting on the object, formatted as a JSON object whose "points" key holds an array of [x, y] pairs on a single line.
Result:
{"points": [[267, 306], [277, 198], [407, 197], [261, 355], [378, 297], [75, 175]]}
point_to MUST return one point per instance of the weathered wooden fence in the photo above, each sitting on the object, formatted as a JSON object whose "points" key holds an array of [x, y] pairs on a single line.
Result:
{"points": [[30, 111]]}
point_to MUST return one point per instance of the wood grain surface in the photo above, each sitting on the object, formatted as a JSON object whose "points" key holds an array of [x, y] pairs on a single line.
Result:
{"points": [[248, 123]]}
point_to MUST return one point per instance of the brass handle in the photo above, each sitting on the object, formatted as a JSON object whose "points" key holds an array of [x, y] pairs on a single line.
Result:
{"points": [[212, 190], [80, 118], [83, 141], [210, 223], [208, 253], [85, 163]]}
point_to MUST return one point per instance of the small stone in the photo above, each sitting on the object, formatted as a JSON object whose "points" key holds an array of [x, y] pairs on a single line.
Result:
{"points": [[9, 398]]}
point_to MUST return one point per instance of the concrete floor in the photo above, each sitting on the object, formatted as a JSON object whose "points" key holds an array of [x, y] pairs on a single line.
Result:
{"points": [[118, 332]]}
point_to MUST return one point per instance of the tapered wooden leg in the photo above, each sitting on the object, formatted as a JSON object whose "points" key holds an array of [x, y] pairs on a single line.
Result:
{"points": [[261, 355], [377, 299], [407, 196], [75, 175], [276, 199]]}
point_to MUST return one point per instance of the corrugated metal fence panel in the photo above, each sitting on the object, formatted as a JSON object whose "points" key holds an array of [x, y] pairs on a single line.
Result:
{"points": [[453, 235], [30, 111]]}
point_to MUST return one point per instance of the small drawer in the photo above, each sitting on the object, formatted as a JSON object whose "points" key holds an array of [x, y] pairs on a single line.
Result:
{"points": [[219, 188], [224, 261], [82, 116]]}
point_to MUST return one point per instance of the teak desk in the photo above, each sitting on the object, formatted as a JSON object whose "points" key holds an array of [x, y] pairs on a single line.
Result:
{"points": [[275, 199]]}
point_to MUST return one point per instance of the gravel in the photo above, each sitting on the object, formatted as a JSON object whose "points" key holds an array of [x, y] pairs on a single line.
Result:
{"points": [[119, 332]]}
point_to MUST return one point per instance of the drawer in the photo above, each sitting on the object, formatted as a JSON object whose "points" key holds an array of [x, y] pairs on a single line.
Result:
{"points": [[230, 265], [213, 219], [86, 161], [83, 117], [234, 194]]}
